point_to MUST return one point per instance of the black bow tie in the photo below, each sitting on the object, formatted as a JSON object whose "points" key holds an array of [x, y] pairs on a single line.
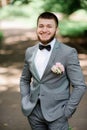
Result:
{"points": [[41, 47]]}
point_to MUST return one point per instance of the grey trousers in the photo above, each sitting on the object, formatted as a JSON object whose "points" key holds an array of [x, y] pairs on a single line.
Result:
{"points": [[38, 122]]}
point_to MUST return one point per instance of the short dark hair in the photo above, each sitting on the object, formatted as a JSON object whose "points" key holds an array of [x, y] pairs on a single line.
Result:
{"points": [[48, 15]]}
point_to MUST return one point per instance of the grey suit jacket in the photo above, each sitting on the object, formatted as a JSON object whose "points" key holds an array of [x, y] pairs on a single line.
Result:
{"points": [[52, 89]]}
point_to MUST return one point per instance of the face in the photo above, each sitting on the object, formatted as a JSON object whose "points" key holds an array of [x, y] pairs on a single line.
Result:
{"points": [[46, 30]]}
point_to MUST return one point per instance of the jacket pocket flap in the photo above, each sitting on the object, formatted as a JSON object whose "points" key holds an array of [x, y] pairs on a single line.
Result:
{"points": [[61, 96]]}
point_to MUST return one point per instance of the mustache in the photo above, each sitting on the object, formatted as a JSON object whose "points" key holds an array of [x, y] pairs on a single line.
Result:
{"points": [[46, 41]]}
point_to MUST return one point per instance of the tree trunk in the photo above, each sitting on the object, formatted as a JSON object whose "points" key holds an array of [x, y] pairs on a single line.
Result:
{"points": [[3, 3]]}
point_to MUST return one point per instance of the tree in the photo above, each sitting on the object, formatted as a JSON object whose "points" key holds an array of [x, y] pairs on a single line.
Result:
{"points": [[21, 1], [3, 3], [84, 4], [65, 6]]}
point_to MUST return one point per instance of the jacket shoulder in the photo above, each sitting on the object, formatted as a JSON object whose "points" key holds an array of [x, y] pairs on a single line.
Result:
{"points": [[31, 48], [29, 51], [66, 49]]}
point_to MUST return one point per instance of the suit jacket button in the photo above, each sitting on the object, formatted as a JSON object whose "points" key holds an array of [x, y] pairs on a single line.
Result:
{"points": [[42, 94]]}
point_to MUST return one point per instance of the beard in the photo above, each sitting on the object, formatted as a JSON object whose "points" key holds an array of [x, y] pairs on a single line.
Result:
{"points": [[47, 40]]}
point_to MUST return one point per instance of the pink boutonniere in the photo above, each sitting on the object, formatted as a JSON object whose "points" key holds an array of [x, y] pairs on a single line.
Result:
{"points": [[58, 68]]}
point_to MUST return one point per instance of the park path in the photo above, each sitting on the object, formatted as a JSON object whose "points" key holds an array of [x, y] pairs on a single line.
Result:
{"points": [[17, 39]]}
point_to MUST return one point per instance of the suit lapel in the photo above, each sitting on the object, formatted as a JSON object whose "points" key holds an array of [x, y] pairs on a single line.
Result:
{"points": [[52, 58], [33, 68]]}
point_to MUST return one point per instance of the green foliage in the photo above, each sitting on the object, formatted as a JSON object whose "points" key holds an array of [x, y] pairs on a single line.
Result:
{"points": [[20, 1], [67, 6], [26, 11], [28, 14], [72, 28], [1, 39], [1, 36], [70, 128], [13, 11], [84, 4]]}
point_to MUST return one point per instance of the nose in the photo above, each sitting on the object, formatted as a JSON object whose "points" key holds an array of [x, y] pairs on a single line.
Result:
{"points": [[44, 29]]}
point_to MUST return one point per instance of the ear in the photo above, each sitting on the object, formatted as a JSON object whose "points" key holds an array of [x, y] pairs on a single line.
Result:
{"points": [[57, 31]]}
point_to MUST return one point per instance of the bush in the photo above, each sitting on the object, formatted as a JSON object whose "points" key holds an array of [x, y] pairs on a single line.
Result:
{"points": [[75, 24], [72, 28], [1, 36], [1, 39]]}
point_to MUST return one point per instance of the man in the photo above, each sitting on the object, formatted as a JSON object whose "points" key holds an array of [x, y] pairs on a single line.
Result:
{"points": [[50, 68]]}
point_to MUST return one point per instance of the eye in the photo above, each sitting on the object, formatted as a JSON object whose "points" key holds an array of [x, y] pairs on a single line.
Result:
{"points": [[40, 26], [49, 26]]}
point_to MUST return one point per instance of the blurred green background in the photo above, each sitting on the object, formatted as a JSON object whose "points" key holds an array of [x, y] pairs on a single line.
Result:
{"points": [[72, 14]]}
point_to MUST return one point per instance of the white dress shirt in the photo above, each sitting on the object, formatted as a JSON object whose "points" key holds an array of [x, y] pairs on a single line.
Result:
{"points": [[42, 58]]}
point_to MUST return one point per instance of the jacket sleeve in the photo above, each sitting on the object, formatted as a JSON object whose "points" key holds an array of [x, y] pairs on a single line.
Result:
{"points": [[25, 81], [76, 78]]}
